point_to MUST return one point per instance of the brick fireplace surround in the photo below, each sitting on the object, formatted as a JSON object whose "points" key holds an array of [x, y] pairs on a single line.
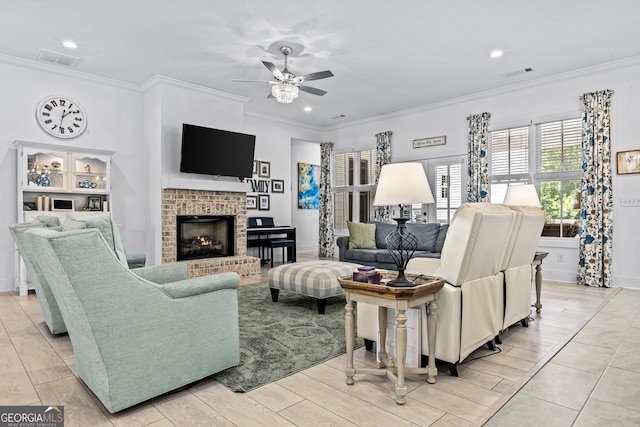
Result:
{"points": [[198, 202]]}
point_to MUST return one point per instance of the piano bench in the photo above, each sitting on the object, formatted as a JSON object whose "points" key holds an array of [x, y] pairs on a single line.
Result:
{"points": [[286, 245]]}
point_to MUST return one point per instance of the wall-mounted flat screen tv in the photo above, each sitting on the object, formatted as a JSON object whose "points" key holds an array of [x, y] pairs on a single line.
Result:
{"points": [[216, 152]]}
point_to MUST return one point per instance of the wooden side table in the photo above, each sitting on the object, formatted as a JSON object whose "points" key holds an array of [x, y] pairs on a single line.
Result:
{"points": [[537, 264], [401, 299]]}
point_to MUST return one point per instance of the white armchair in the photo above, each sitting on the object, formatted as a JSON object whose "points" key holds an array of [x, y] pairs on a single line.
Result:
{"points": [[518, 272], [471, 303]]}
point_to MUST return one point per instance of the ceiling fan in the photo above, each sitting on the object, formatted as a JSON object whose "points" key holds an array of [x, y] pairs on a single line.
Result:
{"points": [[285, 89]]}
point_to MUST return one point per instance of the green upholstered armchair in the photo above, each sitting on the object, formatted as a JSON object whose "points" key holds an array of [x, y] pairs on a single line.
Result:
{"points": [[134, 339], [164, 273], [50, 310]]}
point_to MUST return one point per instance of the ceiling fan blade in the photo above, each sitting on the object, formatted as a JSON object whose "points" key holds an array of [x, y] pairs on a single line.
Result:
{"points": [[315, 76], [312, 90], [276, 73]]}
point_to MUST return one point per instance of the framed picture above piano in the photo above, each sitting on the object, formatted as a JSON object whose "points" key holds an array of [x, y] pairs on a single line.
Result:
{"points": [[277, 186], [252, 202], [264, 204]]}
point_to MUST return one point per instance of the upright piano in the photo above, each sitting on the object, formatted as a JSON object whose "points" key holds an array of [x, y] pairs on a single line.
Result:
{"points": [[261, 230]]}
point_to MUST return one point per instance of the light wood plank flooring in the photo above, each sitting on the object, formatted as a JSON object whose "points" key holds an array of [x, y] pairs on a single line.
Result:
{"points": [[37, 368]]}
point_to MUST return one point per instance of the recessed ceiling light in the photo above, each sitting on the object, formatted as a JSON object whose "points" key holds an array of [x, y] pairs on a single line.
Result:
{"points": [[496, 53], [307, 109], [69, 44]]}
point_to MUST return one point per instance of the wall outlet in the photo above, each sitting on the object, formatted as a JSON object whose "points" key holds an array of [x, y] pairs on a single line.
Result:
{"points": [[560, 257]]}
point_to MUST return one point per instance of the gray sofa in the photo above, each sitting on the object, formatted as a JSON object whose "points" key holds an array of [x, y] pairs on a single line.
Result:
{"points": [[430, 241]]}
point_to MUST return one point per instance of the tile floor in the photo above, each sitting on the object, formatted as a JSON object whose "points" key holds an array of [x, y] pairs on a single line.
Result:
{"points": [[592, 379]]}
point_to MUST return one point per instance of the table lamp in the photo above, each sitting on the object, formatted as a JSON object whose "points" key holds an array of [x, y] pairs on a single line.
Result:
{"points": [[522, 195], [402, 184]]}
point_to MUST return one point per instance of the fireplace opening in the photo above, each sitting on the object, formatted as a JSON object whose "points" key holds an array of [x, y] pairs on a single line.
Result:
{"points": [[205, 236]]}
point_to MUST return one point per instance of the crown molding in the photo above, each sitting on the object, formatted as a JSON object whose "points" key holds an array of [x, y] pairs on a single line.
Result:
{"points": [[286, 122], [66, 72], [581, 72], [169, 81]]}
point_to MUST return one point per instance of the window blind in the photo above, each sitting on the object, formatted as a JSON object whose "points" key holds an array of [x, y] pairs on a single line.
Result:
{"points": [[510, 155], [559, 153]]}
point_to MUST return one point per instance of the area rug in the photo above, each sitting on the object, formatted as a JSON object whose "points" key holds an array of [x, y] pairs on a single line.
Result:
{"points": [[278, 339]]}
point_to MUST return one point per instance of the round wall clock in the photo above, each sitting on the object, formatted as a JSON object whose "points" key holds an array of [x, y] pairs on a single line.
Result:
{"points": [[61, 116]]}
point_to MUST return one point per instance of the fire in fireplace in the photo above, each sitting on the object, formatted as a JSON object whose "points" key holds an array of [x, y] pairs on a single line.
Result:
{"points": [[205, 236]]}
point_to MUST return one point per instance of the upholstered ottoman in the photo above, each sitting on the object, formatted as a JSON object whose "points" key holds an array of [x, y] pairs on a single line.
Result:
{"points": [[317, 279]]}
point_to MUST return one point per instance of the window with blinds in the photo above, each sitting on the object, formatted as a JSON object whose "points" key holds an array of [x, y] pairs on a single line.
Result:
{"points": [[353, 188], [558, 171], [448, 195], [555, 171], [510, 155], [559, 148]]}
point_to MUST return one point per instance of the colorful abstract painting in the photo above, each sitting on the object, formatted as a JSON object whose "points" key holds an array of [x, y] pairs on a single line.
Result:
{"points": [[308, 186]]}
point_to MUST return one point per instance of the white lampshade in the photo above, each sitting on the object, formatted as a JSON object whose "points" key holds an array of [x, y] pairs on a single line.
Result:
{"points": [[402, 184], [522, 195]]}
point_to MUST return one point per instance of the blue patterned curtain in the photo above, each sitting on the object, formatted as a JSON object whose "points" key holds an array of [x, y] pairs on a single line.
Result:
{"points": [[478, 162], [325, 243], [383, 157], [594, 253]]}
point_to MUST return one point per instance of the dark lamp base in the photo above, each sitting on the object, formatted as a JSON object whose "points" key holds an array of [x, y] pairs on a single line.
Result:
{"points": [[401, 282]]}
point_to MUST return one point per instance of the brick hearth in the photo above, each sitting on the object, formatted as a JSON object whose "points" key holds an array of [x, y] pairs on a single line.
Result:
{"points": [[198, 202]]}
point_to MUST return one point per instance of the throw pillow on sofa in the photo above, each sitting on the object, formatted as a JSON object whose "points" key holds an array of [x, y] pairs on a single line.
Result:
{"points": [[361, 236]]}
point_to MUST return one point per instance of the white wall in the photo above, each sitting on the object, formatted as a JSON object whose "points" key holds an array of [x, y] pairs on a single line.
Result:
{"points": [[142, 125], [114, 114], [517, 105], [306, 221]]}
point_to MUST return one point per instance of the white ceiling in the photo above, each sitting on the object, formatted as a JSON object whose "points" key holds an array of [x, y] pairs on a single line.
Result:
{"points": [[386, 55]]}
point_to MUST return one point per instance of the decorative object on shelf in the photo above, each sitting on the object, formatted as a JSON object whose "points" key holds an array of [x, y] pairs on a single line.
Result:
{"points": [[265, 204], [94, 203], [252, 202], [429, 142], [87, 168], [277, 186], [265, 169], [402, 184], [61, 117], [628, 162], [59, 204], [87, 184], [308, 186]]}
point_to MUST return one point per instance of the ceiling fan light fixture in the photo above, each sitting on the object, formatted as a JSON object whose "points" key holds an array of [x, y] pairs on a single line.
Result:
{"points": [[284, 92]]}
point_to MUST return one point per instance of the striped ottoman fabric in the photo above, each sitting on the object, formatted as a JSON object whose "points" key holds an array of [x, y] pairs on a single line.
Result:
{"points": [[317, 279]]}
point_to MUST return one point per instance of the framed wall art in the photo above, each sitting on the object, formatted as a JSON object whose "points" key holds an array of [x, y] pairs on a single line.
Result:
{"points": [[264, 170], [252, 202], [308, 186], [429, 142], [264, 204], [628, 162], [277, 186], [255, 167]]}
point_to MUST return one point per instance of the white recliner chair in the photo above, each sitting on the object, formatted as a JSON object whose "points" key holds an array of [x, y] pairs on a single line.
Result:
{"points": [[518, 273], [471, 303]]}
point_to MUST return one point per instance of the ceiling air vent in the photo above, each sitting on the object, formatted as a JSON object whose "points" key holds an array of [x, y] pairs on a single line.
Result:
{"points": [[46, 55], [518, 72]]}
